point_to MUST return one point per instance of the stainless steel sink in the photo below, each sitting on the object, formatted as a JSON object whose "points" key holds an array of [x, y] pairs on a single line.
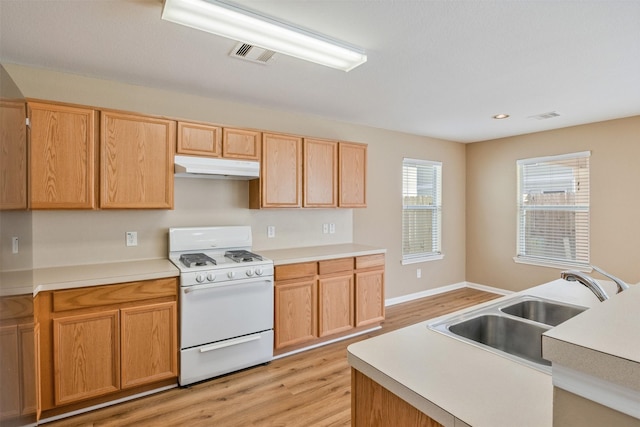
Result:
{"points": [[512, 328], [547, 312], [503, 333]]}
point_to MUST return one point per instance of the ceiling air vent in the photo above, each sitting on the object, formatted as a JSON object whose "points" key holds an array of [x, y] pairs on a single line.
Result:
{"points": [[252, 53], [544, 116]]}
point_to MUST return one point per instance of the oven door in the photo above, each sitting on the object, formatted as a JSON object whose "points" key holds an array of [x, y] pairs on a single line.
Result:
{"points": [[214, 312]]}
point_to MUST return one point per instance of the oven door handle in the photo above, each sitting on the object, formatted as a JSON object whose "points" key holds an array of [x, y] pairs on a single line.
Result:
{"points": [[230, 343], [194, 288]]}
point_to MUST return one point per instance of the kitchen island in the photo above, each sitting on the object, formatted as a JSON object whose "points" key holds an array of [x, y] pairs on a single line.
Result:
{"points": [[455, 383]]}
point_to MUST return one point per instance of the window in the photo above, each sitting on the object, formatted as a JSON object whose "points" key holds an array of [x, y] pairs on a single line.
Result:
{"points": [[421, 210], [553, 210]]}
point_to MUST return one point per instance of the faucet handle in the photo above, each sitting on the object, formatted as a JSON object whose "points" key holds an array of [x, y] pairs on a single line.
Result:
{"points": [[619, 282]]}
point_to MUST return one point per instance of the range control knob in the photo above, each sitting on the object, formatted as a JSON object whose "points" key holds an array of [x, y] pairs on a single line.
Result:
{"points": [[249, 272], [200, 278], [231, 274], [211, 277], [259, 271]]}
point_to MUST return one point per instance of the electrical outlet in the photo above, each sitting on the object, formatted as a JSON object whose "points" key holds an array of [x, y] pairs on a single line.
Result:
{"points": [[325, 228], [271, 231], [419, 273], [332, 228], [14, 245], [132, 238]]}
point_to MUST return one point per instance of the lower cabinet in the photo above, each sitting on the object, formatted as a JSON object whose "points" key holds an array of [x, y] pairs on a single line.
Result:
{"points": [[18, 352], [321, 301], [107, 341]]}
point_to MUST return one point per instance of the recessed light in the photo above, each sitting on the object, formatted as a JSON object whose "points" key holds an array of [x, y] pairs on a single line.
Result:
{"points": [[501, 116]]}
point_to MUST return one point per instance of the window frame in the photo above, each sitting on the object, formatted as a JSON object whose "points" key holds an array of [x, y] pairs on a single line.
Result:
{"points": [[436, 236], [550, 261]]}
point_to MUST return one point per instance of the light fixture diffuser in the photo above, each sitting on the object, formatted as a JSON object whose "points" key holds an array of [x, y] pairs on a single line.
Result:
{"points": [[231, 21]]}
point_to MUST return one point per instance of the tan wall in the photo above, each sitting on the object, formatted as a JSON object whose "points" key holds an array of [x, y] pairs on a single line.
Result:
{"points": [[491, 201], [66, 237]]}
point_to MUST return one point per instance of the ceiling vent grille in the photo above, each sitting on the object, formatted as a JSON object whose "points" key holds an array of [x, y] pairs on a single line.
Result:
{"points": [[544, 116], [252, 53]]}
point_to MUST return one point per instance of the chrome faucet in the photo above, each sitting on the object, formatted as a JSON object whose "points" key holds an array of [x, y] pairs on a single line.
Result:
{"points": [[590, 283], [619, 282]]}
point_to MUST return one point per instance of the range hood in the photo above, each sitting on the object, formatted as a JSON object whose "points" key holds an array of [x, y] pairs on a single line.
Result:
{"points": [[207, 167]]}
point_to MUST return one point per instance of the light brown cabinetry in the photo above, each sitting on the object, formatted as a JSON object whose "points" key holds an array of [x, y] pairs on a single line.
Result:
{"points": [[207, 140], [136, 156], [320, 173], [199, 139], [18, 374], [335, 288], [13, 155], [280, 183], [241, 144], [107, 342], [369, 289], [295, 304], [62, 156], [86, 350], [353, 175], [320, 301], [374, 406]]}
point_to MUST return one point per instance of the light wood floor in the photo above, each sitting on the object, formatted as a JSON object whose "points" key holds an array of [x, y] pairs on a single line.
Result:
{"points": [[312, 388]]}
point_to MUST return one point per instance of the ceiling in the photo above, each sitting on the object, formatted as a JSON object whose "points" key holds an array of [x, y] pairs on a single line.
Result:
{"points": [[439, 68]]}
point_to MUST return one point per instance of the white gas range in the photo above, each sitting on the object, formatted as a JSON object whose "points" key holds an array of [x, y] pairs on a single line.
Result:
{"points": [[226, 301]]}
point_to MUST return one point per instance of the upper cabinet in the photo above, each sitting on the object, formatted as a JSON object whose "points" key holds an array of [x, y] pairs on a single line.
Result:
{"points": [[320, 173], [199, 139], [280, 183], [241, 144], [62, 156], [136, 161], [202, 139], [13, 160], [353, 175]]}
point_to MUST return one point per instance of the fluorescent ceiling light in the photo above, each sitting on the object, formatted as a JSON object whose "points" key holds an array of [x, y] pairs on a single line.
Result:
{"points": [[228, 20]]}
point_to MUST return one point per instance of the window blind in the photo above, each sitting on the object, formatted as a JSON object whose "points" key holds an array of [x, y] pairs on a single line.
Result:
{"points": [[421, 209], [553, 210]]}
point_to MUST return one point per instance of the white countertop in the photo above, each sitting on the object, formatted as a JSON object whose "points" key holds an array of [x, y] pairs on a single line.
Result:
{"points": [[445, 377], [597, 355], [318, 253], [77, 276]]}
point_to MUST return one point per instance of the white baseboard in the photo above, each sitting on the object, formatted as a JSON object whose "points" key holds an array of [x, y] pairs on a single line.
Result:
{"points": [[443, 289]]}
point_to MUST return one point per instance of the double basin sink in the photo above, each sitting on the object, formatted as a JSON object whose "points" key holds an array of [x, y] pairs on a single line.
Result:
{"points": [[512, 328]]}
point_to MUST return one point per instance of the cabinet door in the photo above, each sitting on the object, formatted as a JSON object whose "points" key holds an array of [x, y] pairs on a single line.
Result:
{"points": [[9, 372], [369, 297], [240, 144], [320, 173], [149, 343], [86, 356], [335, 304], [295, 312], [199, 139], [353, 175], [136, 161], [13, 157], [28, 370], [281, 177], [62, 157]]}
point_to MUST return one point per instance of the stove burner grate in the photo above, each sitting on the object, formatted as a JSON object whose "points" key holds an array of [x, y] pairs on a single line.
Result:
{"points": [[242, 256], [196, 260]]}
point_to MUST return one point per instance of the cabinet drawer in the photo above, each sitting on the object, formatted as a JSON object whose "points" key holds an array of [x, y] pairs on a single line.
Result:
{"points": [[335, 266], [97, 296], [294, 271], [369, 261]]}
